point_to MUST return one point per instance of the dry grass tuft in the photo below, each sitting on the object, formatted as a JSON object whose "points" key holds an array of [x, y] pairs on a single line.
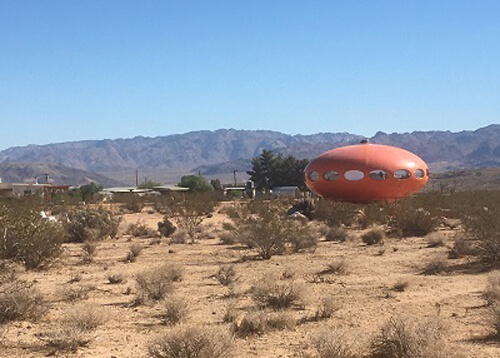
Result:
{"points": [[336, 343], [191, 342], [156, 283], [174, 310], [72, 294], [75, 328], [338, 266], [19, 300], [258, 323], [277, 294], [135, 251], [336, 233], [226, 275], [434, 239], [401, 285], [116, 278], [434, 266], [410, 337]]}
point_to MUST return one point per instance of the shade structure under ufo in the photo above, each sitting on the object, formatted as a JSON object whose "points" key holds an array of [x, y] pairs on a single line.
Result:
{"points": [[366, 173]]}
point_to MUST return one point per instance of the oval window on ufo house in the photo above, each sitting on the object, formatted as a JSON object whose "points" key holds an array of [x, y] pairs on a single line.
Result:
{"points": [[419, 173], [354, 175], [378, 174], [313, 176], [330, 175], [402, 174]]}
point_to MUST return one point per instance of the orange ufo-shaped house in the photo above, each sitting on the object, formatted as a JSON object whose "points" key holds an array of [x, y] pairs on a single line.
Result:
{"points": [[365, 173]]}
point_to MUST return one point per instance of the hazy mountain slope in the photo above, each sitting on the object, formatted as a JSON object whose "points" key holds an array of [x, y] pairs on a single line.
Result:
{"points": [[26, 172], [440, 149], [176, 151]]}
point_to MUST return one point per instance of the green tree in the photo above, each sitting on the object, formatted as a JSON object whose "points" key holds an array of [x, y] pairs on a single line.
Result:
{"points": [[88, 191], [196, 183], [269, 170]]}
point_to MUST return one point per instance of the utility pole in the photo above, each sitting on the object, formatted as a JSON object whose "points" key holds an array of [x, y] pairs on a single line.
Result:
{"points": [[137, 177], [235, 181]]}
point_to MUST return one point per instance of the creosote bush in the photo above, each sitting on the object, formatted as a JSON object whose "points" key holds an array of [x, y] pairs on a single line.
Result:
{"points": [[90, 225], [484, 227], [407, 220], [373, 236], [140, 229], [334, 213], [166, 227], [336, 233], [191, 342], [27, 238]]}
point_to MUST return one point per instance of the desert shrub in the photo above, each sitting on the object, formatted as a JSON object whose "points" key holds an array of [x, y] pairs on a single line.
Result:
{"points": [[266, 230], [484, 227], [492, 292], [493, 317], [326, 309], [19, 300], [231, 313], [258, 323], [335, 343], [461, 247], [232, 212], [67, 338], [191, 341], [277, 294], [371, 214], [336, 233], [132, 203], [407, 221], [226, 275], [86, 317], [434, 266], [373, 236], [228, 226], [334, 213], [72, 294], [116, 278], [134, 252], [28, 238], [179, 237], [337, 266], [173, 311], [288, 274], [401, 285], [166, 227], [434, 240], [154, 284], [302, 238], [410, 337], [190, 212], [89, 251], [75, 327], [227, 238], [140, 230], [90, 225]]}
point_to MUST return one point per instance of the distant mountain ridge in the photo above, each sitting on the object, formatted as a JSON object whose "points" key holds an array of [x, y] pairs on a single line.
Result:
{"points": [[203, 149], [26, 172]]}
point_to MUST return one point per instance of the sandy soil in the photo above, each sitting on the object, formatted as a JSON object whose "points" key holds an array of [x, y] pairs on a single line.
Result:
{"points": [[364, 297]]}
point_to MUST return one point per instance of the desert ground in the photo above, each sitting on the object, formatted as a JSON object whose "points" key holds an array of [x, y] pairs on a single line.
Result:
{"points": [[364, 296]]}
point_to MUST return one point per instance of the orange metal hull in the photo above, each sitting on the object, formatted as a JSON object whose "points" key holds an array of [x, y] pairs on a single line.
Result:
{"points": [[326, 174]]}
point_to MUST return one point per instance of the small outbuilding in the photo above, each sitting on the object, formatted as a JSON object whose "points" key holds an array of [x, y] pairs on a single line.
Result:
{"points": [[287, 191]]}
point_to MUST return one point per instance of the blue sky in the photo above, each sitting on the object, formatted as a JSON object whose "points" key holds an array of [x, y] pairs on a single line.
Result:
{"points": [[72, 70]]}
